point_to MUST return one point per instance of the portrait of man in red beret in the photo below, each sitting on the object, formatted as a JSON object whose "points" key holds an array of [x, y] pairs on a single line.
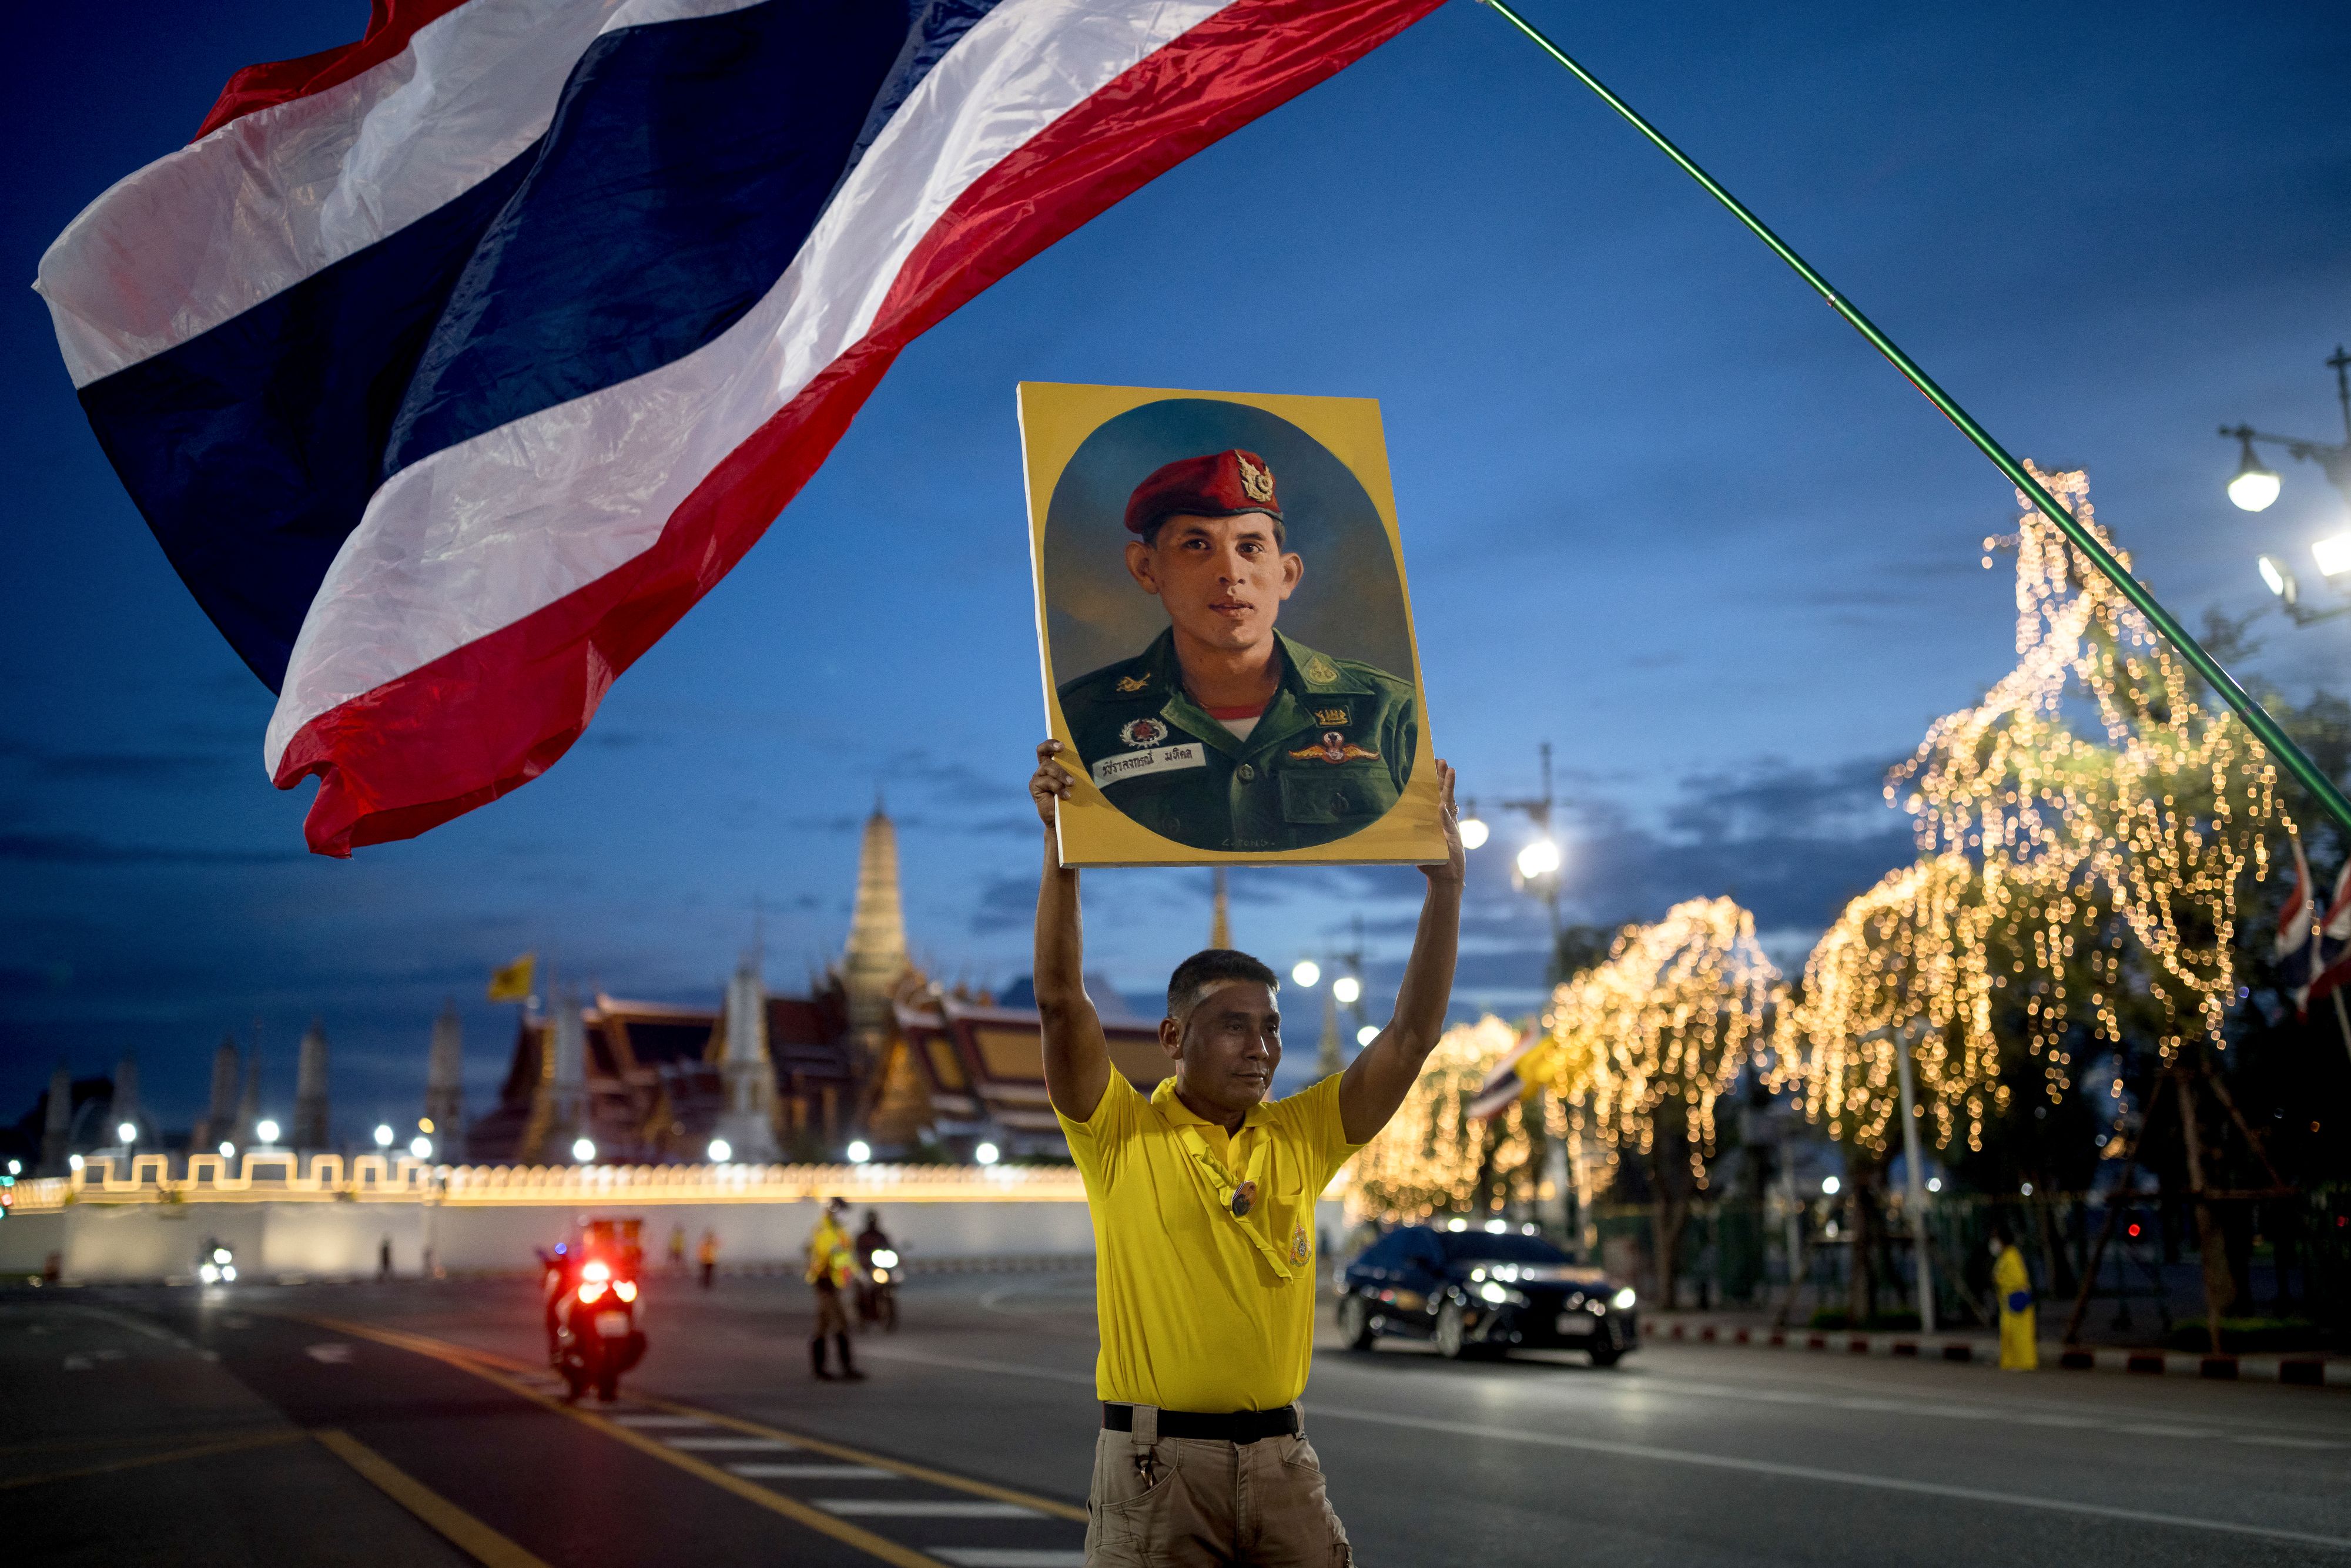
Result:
{"points": [[1223, 733]]}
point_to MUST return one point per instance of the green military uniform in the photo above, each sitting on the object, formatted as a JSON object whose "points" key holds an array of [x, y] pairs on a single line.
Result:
{"points": [[1328, 757]]}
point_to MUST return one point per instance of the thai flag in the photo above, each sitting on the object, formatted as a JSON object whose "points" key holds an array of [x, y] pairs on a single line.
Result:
{"points": [[2331, 953], [452, 367], [2294, 915]]}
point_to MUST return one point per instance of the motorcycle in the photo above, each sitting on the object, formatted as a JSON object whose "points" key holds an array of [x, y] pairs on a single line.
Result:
{"points": [[594, 1325], [877, 1294], [216, 1264]]}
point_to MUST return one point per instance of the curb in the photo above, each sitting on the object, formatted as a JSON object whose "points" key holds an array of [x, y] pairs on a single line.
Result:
{"points": [[2300, 1371]]}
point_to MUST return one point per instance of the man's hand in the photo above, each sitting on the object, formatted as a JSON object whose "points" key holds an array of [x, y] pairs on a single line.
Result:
{"points": [[1454, 868], [1050, 786]]}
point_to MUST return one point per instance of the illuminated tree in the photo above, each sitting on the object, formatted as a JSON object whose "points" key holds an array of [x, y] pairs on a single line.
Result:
{"points": [[1641, 1046], [1434, 1157], [2141, 822]]}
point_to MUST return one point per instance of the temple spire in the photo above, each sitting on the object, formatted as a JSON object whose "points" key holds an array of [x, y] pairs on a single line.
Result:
{"points": [[1220, 922], [445, 1082], [875, 958], [310, 1119]]}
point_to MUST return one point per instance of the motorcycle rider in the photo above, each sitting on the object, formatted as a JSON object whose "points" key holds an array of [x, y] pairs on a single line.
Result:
{"points": [[870, 1240]]}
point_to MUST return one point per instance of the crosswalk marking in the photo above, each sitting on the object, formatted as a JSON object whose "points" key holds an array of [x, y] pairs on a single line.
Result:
{"points": [[767, 1473], [893, 1509], [1005, 1557], [728, 1445]]}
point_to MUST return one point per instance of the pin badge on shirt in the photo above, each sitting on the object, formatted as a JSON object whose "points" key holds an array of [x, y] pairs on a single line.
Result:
{"points": [[1244, 1199]]}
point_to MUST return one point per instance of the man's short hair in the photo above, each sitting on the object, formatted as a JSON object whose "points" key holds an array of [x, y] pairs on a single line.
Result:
{"points": [[1204, 972]]}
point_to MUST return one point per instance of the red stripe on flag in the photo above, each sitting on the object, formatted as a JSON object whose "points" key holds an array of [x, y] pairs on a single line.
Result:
{"points": [[488, 718], [390, 24]]}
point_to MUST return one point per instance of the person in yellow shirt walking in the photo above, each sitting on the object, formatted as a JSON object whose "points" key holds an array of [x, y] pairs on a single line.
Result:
{"points": [[2012, 1282], [832, 1265], [1202, 1195]]}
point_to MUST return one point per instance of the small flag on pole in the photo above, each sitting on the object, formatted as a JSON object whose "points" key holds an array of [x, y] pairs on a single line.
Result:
{"points": [[2294, 915], [513, 983]]}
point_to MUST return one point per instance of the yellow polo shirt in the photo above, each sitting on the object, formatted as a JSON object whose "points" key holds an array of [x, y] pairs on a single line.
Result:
{"points": [[1200, 1310]]}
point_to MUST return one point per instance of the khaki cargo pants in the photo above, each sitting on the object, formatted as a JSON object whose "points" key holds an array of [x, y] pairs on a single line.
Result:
{"points": [[1195, 1503]]}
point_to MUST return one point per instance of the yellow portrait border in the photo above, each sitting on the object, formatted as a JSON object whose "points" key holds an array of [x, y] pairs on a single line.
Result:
{"points": [[1056, 418]]}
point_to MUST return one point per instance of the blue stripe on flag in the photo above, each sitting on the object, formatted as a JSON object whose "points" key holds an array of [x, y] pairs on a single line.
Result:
{"points": [[686, 165], [252, 448]]}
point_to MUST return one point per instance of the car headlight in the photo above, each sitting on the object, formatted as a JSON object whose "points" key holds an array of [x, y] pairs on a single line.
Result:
{"points": [[1492, 1292], [1622, 1299]]}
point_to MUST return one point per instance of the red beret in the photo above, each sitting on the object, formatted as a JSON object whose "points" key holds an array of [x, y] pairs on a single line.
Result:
{"points": [[1221, 484]]}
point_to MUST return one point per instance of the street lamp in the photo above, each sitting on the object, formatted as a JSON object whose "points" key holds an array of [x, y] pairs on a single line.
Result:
{"points": [[987, 1153], [1474, 830], [1538, 863], [1306, 972], [384, 1135], [721, 1151], [1345, 989], [1368, 1033], [2255, 488], [421, 1147], [266, 1131], [583, 1150], [860, 1151], [128, 1131]]}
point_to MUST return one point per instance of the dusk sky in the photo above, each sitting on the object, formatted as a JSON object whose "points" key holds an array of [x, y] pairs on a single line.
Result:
{"points": [[1659, 507]]}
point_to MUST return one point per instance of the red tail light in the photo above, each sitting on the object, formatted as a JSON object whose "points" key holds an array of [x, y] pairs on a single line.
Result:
{"points": [[626, 1289], [590, 1291]]}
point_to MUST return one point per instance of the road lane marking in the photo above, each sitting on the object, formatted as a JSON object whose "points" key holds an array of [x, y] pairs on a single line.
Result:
{"points": [[1317, 1410], [726, 1445], [924, 1508], [329, 1355], [490, 1364], [466, 1533], [1322, 1412], [482, 1365], [139, 1440], [767, 1473], [202, 1451], [1007, 1557], [648, 1421]]}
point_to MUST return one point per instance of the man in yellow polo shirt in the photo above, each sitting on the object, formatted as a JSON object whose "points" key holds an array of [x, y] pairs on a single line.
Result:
{"points": [[1203, 1201]]}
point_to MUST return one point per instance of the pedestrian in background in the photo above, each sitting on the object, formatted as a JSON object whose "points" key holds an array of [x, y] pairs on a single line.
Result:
{"points": [[677, 1249], [708, 1257], [2020, 1347], [832, 1265], [383, 1260]]}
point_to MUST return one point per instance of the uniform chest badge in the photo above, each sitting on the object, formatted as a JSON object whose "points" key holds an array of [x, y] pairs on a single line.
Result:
{"points": [[1328, 716], [1131, 682], [1244, 1199], [1299, 1246], [1335, 748], [1142, 732], [1322, 671]]}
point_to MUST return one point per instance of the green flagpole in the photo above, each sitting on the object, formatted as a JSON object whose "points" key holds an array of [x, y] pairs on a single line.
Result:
{"points": [[2280, 744]]}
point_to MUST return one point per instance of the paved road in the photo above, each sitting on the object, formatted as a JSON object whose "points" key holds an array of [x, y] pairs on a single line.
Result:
{"points": [[332, 1424]]}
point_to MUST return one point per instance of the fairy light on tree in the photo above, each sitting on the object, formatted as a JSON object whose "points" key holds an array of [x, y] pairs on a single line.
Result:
{"points": [[1434, 1157], [2144, 818], [1641, 1046]]}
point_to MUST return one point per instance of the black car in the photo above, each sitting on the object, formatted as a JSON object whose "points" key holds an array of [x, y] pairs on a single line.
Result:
{"points": [[1478, 1292]]}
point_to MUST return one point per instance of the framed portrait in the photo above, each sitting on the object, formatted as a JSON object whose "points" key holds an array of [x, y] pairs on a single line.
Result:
{"points": [[1224, 629]]}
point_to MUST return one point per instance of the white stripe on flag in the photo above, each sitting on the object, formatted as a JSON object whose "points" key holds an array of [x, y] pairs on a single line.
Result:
{"points": [[479, 534]]}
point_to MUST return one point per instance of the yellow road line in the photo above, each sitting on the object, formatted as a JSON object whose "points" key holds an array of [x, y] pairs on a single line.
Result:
{"points": [[824, 1446], [229, 1446], [466, 1533], [798, 1512]]}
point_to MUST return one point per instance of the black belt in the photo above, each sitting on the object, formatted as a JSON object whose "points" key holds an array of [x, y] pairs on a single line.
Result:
{"points": [[1238, 1426]]}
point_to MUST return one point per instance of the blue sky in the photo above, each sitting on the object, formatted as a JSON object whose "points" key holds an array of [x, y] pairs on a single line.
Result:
{"points": [[1660, 507]]}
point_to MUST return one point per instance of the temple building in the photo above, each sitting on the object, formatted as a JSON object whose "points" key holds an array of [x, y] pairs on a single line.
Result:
{"points": [[873, 1051]]}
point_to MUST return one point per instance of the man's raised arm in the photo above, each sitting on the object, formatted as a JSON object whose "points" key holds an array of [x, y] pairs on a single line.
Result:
{"points": [[1077, 1057], [1383, 1072]]}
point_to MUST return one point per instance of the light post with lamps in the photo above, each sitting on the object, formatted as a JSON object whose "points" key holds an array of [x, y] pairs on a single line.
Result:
{"points": [[2255, 488]]}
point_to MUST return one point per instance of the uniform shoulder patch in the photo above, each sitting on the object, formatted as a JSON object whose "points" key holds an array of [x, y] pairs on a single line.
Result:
{"points": [[1131, 682], [1321, 670]]}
